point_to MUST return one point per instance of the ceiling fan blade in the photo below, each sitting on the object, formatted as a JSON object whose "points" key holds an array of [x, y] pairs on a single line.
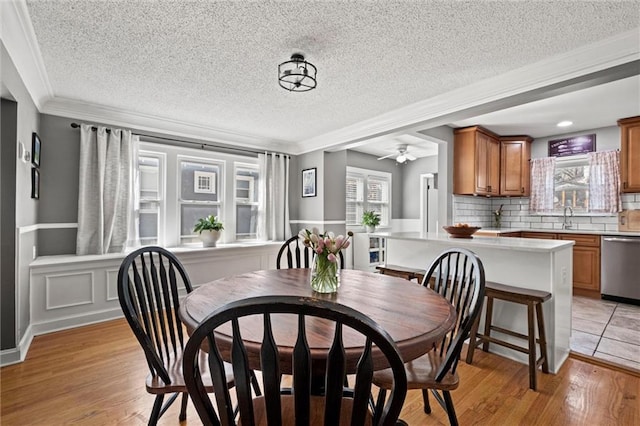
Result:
{"points": [[387, 156], [410, 157]]}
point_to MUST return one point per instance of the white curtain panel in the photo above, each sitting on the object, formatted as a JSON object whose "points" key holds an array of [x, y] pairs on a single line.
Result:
{"points": [[542, 176], [604, 182], [104, 201], [273, 201]]}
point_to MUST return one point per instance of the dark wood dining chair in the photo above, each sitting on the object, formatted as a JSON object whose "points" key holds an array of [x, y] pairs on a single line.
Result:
{"points": [[151, 281], [458, 275], [302, 407], [294, 254]]}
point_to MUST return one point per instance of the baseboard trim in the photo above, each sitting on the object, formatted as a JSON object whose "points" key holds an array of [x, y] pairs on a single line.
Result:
{"points": [[75, 321], [17, 355], [602, 363]]}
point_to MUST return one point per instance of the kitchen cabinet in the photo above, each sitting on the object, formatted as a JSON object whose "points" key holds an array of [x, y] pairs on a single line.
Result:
{"points": [[476, 162], [515, 173], [586, 260], [586, 264], [630, 154], [369, 251], [515, 234], [540, 235]]}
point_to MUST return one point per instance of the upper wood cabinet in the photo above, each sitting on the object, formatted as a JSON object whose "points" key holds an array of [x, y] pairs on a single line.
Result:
{"points": [[476, 162], [630, 154], [515, 173]]}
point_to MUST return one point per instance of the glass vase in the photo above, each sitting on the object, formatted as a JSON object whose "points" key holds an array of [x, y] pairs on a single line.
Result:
{"points": [[325, 275]]}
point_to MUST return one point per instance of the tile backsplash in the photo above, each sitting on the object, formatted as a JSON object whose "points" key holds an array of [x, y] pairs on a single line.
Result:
{"points": [[477, 211]]}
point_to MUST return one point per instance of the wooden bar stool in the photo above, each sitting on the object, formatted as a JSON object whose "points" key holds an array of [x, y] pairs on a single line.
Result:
{"points": [[402, 272], [533, 299]]}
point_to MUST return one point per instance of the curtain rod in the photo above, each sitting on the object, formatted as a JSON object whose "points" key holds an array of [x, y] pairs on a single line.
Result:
{"points": [[201, 144]]}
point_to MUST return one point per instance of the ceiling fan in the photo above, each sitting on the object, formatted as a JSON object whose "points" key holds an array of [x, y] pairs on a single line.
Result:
{"points": [[401, 154]]}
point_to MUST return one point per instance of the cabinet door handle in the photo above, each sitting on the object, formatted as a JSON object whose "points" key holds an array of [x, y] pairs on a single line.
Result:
{"points": [[489, 188], [522, 190], [624, 185]]}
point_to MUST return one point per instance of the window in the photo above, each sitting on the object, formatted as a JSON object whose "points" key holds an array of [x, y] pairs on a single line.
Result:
{"points": [[246, 201], [199, 194], [368, 190], [178, 185], [571, 184], [150, 172]]}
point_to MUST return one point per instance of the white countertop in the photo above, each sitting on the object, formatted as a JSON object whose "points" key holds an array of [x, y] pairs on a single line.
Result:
{"points": [[561, 231], [519, 244]]}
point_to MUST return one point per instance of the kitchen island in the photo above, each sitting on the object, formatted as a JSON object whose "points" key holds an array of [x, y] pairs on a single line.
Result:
{"points": [[520, 262]]}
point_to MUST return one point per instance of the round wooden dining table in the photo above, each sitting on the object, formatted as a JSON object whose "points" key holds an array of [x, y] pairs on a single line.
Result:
{"points": [[414, 316]]}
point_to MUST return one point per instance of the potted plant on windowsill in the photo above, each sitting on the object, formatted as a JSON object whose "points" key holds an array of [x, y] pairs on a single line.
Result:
{"points": [[209, 229], [370, 220]]}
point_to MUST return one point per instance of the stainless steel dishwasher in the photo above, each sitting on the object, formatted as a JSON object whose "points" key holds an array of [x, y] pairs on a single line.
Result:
{"points": [[620, 269]]}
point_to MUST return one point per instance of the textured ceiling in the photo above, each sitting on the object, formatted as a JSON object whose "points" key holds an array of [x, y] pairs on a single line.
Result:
{"points": [[215, 63]]}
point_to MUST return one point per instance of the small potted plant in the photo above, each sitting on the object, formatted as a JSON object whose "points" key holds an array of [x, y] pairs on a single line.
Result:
{"points": [[209, 229], [370, 220]]}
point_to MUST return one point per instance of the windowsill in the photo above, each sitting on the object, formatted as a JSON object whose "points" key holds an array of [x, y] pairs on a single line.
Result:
{"points": [[194, 248]]}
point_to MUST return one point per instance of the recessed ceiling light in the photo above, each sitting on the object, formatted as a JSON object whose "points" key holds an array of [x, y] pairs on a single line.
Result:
{"points": [[565, 123]]}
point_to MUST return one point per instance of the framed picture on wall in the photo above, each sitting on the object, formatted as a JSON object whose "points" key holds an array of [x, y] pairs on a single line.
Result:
{"points": [[35, 183], [309, 182], [35, 149]]}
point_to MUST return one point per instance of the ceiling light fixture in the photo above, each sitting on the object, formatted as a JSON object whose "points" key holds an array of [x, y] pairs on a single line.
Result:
{"points": [[401, 158], [297, 75], [565, 123]]}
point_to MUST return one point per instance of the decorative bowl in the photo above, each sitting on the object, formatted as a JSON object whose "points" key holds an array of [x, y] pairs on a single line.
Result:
{"points": [[461, 231]]}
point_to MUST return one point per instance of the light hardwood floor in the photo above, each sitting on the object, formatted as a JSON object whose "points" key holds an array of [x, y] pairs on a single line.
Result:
{"points": [[95, 375]]}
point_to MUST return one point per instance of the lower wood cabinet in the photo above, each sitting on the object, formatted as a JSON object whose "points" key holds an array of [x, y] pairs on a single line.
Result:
{"points": [[540, 235], [586, 264], [517, 234], [586, 260]]}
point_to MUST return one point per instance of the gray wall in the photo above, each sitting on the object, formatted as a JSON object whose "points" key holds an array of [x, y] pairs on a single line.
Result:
{"points": [[16, 287], [335, 176], [411, 186], [443, 135], [59, 191], [309, 208], [607, 139], [9, 129]]}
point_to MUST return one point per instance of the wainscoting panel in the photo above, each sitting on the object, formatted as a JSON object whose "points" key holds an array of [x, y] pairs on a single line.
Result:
{"points": [[112, 284], [71, 291], [64, 291]]}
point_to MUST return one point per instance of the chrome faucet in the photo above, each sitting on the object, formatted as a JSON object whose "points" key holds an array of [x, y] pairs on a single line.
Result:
{"points": [[565, 224]]}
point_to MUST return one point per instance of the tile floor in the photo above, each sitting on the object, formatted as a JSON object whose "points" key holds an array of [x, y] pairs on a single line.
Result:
{"points": [[606, 330]]}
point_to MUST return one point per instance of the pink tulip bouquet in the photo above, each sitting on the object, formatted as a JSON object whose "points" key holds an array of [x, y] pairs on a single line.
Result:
{"points": [[327, 244], [325, 277]]}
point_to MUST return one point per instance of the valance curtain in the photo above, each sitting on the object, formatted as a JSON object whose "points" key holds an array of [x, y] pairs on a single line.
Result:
{"points": [[105, 193], [542, 188], [604, 182], [273, 200]]}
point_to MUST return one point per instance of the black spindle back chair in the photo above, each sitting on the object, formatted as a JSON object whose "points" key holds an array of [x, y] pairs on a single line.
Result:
{"points": [[151, 281], [296, 255], [275, 408], [457, 274]]}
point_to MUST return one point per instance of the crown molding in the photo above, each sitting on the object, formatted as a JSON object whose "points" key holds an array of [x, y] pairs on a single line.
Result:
{"points": [[153, 123], [19, 39], [602, 55], [21, 43]]}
